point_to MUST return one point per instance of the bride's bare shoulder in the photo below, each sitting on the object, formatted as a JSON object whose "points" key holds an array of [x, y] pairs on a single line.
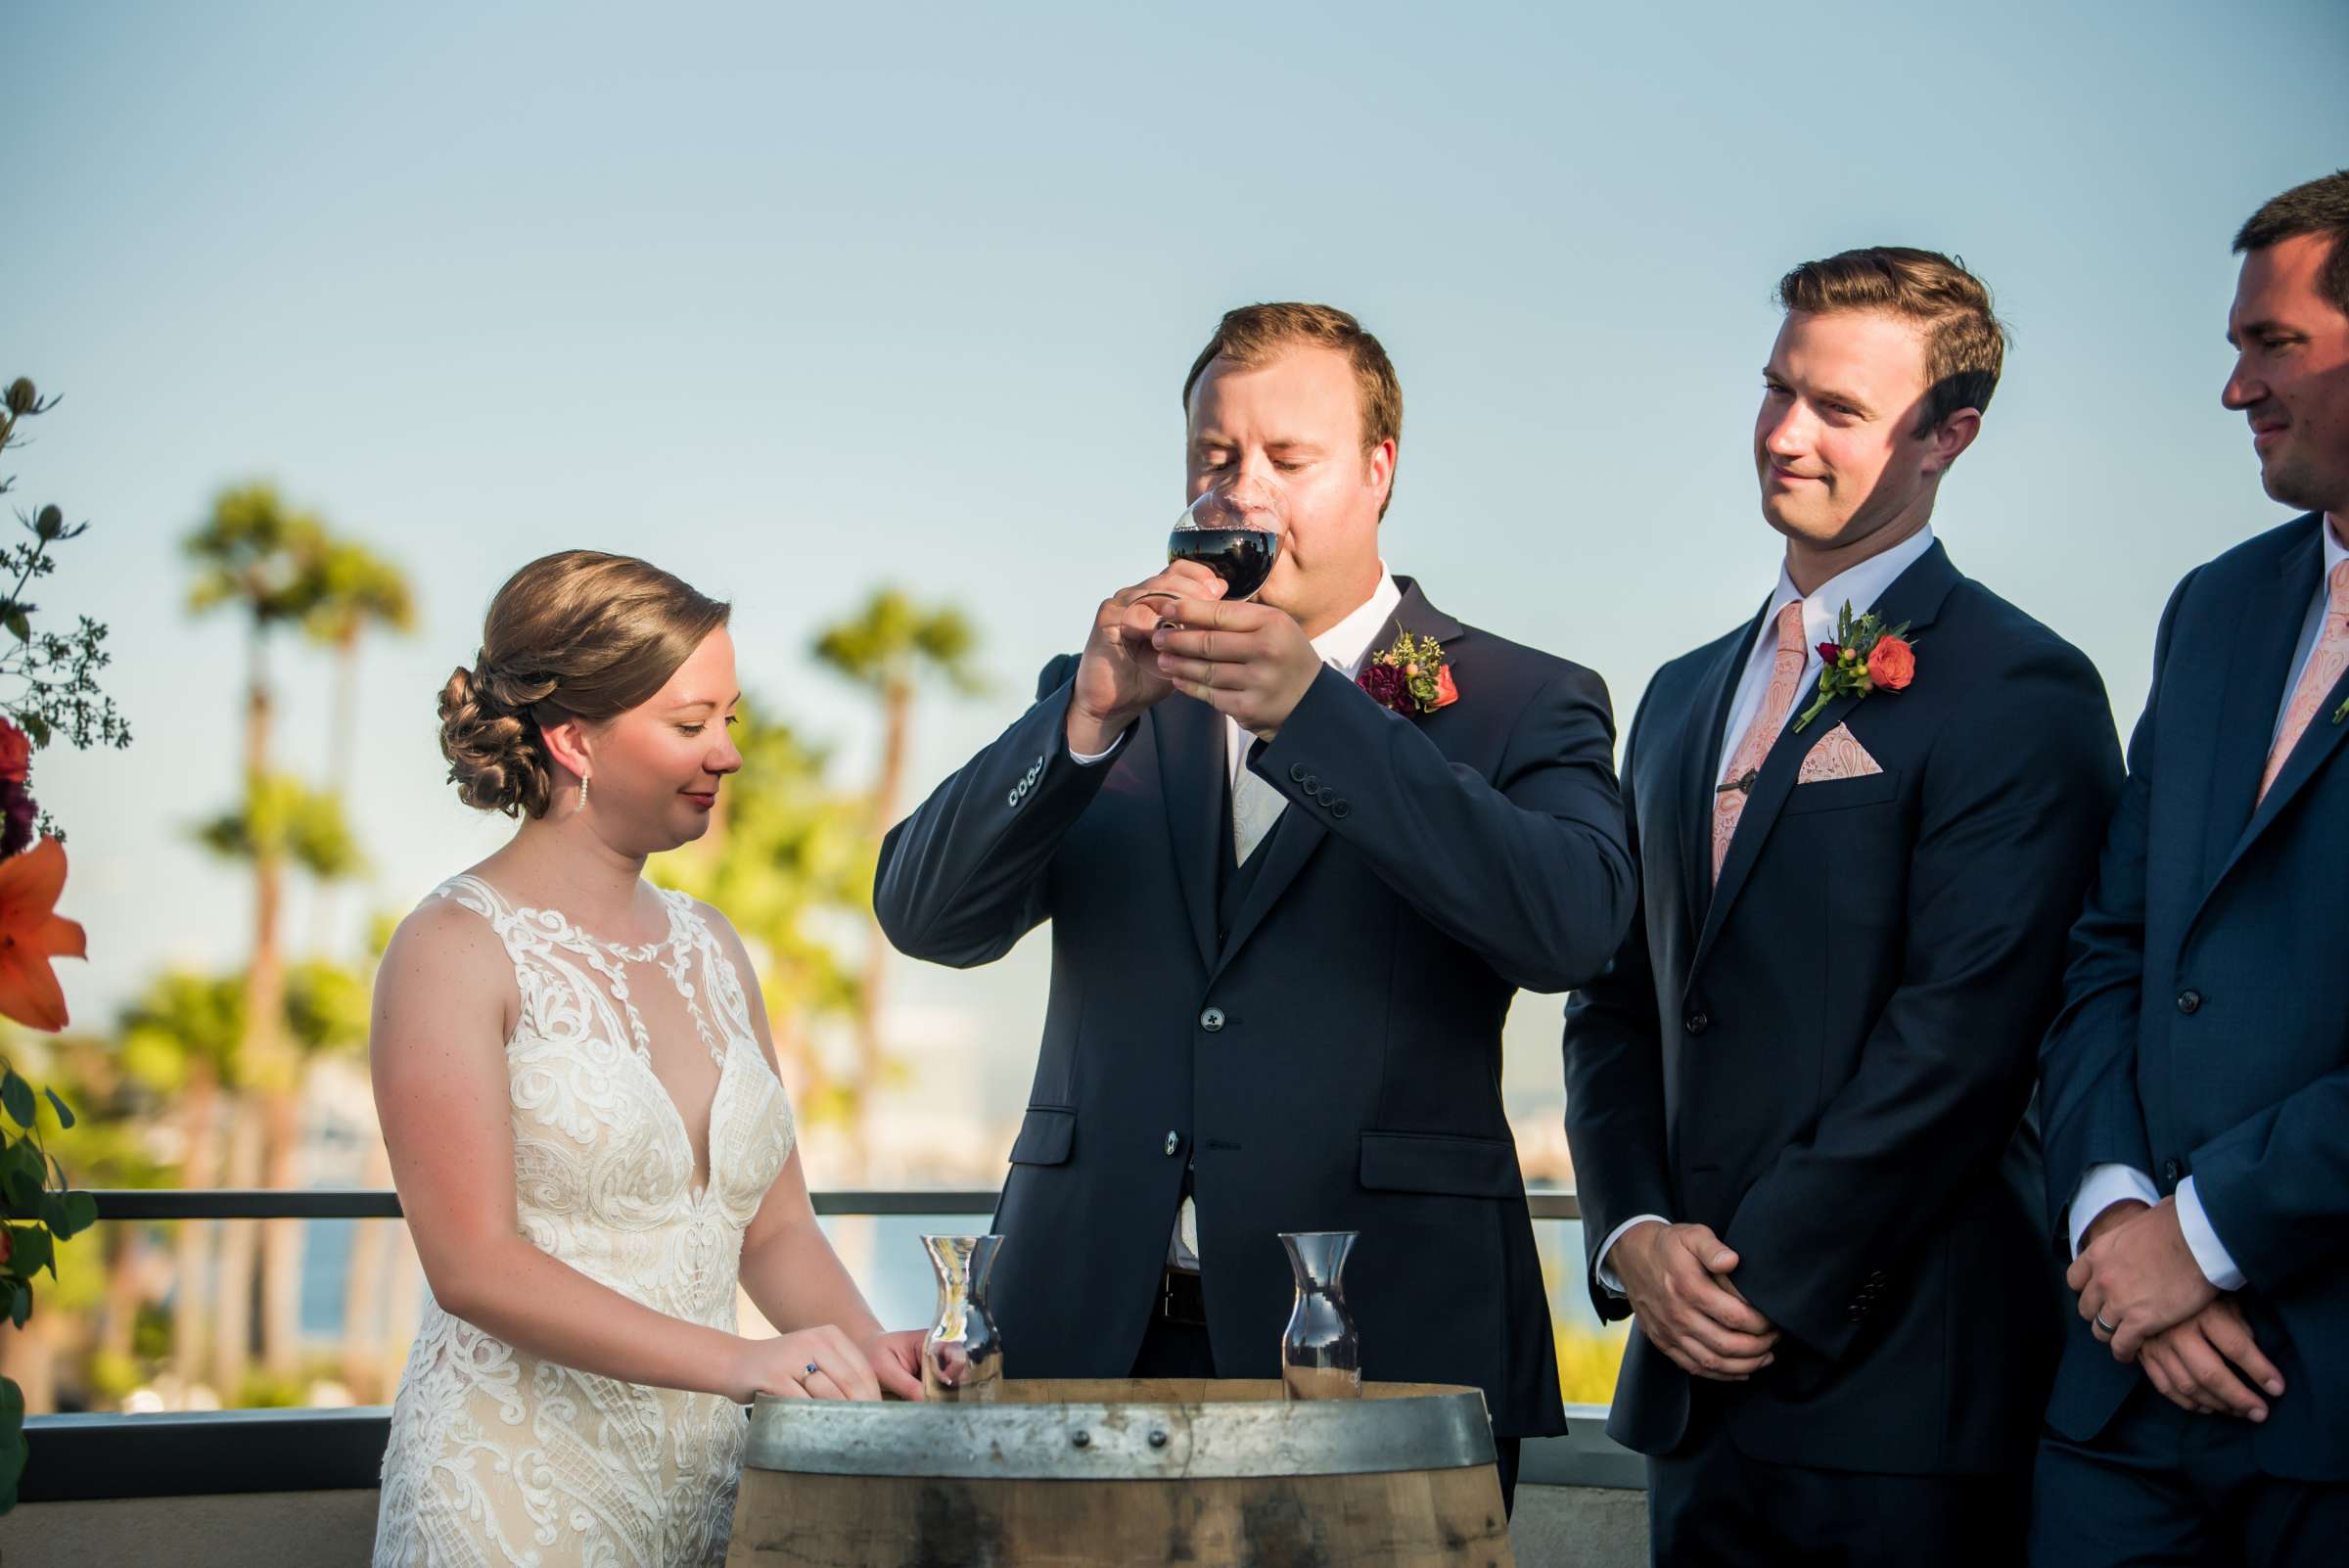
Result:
{"points": [[447, 950]]}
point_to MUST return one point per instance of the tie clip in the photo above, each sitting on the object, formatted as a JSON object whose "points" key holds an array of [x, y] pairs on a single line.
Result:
{"points": [[1743, 783]]}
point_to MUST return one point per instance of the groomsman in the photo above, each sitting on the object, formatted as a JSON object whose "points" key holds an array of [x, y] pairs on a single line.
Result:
{"points": [[2196, 1086], [1797, 1098], [1294, 877]]}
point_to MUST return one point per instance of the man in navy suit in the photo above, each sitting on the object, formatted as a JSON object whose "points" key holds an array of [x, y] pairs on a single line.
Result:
{"points": [[1797, 1098], [1287, 919], [2196, 1086]]}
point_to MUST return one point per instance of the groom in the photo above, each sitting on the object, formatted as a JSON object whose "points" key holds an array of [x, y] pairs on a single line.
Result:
{"points": [[1796, 1101], [1287, 920]]}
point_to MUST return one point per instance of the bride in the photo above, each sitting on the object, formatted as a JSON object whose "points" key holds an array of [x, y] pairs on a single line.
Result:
{"points": [[580, 1095]]}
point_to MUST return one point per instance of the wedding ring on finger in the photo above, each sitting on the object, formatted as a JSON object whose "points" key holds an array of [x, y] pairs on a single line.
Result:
{"points": [[2108, 1330]]}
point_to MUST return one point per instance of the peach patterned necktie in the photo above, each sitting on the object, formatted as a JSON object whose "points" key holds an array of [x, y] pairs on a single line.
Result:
{"points": [[1728, 802], [2325, 662]]}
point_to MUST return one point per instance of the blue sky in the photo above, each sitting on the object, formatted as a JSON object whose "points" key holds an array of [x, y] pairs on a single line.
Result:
{"points": [[796, 300]]}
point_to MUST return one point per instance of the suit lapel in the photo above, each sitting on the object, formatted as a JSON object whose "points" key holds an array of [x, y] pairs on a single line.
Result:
{"points": [[2262, 662], [1914, 596], [1298, 834], [1190, 780]]}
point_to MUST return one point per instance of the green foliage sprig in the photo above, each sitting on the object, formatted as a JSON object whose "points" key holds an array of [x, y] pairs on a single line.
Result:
{"points": [[54, 674]]}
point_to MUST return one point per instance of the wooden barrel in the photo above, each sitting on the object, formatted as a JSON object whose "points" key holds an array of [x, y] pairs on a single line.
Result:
{"points": [[1059, 1474]]}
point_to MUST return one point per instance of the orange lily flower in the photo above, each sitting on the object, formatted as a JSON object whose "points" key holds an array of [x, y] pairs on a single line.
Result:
{"points": [[32, 934]]}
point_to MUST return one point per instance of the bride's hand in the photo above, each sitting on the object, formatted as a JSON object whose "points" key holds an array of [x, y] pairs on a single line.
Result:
{"points": [[815, 1363], [896, 1359]]}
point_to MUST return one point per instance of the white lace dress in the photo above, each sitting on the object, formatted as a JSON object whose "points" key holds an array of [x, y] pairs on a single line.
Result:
{"points": [[503, 1461]]}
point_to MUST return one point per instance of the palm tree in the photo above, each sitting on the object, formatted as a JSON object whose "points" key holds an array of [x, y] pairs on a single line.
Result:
{"points": [[889, 647], [353, 591], [256, 555]]}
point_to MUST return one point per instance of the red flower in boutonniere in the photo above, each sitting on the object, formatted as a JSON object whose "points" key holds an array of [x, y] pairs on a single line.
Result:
{"points": [[1865, 656], [1410, 677]]}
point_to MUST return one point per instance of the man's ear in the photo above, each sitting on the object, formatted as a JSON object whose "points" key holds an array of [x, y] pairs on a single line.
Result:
{"points": [[1953, 434], [1381, 466]]}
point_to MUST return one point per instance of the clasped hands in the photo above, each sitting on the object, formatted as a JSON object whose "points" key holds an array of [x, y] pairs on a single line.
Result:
{"points": [[1678, 1279], [2143, 1293], [1250, 662]]}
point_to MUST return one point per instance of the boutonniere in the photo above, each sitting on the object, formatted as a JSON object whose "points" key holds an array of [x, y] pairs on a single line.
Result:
{"points": [[2341, 711], [1864, 656], [1410, 677]]}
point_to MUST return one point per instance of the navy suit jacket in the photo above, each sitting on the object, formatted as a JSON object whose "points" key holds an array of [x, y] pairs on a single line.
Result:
{"points": [[1828, 1058], [1323, 1047], [2205, 1028]]}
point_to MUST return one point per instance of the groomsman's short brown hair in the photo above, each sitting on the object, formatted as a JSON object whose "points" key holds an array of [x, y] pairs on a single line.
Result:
{"points": [[1253, 335], [2321, 207], [1965, 343]]}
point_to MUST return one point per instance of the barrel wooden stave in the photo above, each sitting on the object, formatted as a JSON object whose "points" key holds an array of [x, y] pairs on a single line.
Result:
{"points": [[1406, 1519], [1429, 1518]]}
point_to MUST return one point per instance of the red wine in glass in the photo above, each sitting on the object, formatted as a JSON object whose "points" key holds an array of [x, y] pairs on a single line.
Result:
{"points": [[1243, 557], [1234, 532]]}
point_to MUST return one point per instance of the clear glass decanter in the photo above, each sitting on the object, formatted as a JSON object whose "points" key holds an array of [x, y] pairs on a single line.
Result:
{"points": [[1320, 1354], [962, 1356]]}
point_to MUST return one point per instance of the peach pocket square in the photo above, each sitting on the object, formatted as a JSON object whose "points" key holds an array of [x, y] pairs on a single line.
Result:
{"points": [[1838, 754]]}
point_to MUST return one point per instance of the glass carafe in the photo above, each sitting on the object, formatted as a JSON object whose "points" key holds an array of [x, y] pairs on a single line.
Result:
{"points": [[962, 1356], [1320, 1354]]}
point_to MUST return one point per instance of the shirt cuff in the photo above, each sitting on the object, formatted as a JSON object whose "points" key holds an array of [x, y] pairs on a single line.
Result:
{"points": [[2104, 1186], [1607, 1279], [2210, 1253], [1084, 761]]}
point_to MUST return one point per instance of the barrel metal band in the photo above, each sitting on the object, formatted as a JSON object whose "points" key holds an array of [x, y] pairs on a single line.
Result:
{"points": [[1120, 1442]]}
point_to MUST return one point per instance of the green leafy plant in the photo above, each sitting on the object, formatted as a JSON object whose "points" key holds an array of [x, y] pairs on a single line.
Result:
{"points": [[48, 689], [43, 1216]]}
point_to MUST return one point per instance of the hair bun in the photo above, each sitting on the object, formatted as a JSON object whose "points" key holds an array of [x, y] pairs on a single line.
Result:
{"points": [[495, 758]]}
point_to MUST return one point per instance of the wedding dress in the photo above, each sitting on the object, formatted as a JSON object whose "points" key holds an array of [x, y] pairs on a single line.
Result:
{"points": [[499, 1459]]}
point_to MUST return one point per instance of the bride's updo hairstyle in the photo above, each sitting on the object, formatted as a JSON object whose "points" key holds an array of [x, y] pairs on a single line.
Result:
{"points": [[576, 635]]}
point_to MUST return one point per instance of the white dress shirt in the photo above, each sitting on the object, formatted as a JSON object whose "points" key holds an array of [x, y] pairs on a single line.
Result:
{"points": [[1860, 588], [1344, 648], [2107, 1184]]}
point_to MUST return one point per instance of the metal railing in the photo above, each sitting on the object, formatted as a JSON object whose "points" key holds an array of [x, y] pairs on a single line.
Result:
{"points": [[220, 1451], [382, 1203]]}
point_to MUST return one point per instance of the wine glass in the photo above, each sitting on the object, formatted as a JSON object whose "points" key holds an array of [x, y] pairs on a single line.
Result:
{"points": [[1234, 531]]}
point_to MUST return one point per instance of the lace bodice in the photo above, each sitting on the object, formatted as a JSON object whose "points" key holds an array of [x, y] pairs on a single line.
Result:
{"points": [[498, 1458]]}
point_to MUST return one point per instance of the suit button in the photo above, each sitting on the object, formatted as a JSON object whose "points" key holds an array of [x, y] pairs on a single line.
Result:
{"points": [[1340, 810], [1697, 1023], [2189, 1003], [1296, 772], [1310, 783], [2171, 1171], [1212, 1020], [1855, 1311], [1326, 796], [1173, 1143]]}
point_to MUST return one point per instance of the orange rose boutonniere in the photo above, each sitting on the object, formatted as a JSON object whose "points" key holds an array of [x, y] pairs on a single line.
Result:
{"points": [[1865, 656]]}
